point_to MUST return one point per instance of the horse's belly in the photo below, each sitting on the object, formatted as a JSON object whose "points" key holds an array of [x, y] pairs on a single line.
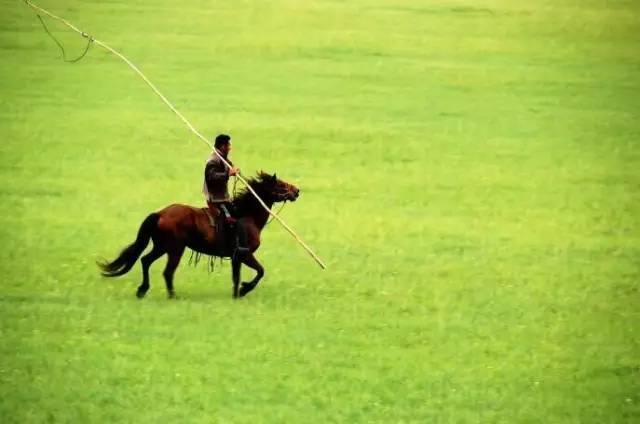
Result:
{"points": [[207, 249]]}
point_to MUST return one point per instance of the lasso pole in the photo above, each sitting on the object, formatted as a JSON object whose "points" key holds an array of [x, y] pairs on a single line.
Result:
{"points": [[183, 119]]}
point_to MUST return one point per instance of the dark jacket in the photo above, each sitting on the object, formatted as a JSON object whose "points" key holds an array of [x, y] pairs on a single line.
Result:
{"points": [[216, 176]]}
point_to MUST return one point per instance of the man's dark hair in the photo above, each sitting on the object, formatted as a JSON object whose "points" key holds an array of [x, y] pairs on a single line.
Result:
{"points": [[221, 140]]}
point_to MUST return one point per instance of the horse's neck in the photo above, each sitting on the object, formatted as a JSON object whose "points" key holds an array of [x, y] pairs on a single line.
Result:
{"points": [[257, 212], [261, 216]]}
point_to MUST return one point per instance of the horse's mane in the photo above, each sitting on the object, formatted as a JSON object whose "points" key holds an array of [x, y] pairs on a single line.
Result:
{"points": [[244, 203]]}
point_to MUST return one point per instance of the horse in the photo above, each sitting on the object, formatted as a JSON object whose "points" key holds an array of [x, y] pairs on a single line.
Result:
{"points": [[178, 226]]}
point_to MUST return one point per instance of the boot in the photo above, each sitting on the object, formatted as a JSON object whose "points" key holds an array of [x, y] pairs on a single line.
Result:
{"points": [[241, 239]]}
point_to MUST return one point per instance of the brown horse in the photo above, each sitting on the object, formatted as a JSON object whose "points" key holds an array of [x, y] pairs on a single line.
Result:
{"points": [[179, 226]]}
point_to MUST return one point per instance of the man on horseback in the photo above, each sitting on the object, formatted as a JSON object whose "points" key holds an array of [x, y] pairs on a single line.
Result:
{"points": [[216, 177]]}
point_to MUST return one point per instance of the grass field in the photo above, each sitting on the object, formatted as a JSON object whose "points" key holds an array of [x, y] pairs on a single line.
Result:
{"points": [[470, 172]]}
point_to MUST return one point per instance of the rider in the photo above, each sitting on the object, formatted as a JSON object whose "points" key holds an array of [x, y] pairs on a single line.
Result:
{"points": [[216, 177]]}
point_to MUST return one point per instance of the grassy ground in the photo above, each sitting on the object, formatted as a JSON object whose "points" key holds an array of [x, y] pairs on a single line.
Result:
{"points": [[469, 173]]}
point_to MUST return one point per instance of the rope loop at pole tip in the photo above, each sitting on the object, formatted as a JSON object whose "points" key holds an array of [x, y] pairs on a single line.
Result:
{"points": [[64, 53]]}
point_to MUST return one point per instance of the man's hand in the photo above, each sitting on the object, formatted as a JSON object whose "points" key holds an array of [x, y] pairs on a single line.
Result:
{"points": [[233, 171]]}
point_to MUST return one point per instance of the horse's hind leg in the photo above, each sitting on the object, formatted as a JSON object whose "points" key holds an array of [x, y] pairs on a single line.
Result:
{"points": [[172, 263], [147, 260]]}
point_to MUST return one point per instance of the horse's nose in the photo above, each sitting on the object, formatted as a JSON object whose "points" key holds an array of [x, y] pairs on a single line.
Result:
{"points": [[297, 193]]}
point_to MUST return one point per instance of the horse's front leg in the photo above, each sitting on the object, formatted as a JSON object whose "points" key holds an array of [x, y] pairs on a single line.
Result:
{"points": [[252, 263], [235, 273]]}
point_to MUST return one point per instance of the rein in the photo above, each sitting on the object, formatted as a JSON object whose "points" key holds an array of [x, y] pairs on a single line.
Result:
{"points": [[277, 193], [277, 213]]}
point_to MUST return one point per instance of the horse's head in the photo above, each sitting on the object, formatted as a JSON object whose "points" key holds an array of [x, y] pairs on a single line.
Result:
{"points": [[279, 190]]}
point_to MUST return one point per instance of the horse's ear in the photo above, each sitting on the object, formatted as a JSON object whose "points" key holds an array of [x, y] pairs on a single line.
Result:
{"points": [[274, 178]]}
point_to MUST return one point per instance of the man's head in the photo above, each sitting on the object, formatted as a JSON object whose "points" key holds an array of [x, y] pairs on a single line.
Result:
{"points": [[223, 144]]}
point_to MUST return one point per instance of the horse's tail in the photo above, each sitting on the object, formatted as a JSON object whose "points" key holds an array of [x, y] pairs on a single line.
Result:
{"points": [[130, 254]]}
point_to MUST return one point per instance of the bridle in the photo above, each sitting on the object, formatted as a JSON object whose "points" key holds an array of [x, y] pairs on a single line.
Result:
{"points": [[280, 194]]}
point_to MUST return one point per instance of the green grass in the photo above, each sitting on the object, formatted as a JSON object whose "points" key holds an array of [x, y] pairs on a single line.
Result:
{"points": [[469, 172]]}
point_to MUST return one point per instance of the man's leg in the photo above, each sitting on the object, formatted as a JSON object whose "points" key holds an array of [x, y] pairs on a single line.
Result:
{"points": [[213, 212], [224, 207], [240, 237]]}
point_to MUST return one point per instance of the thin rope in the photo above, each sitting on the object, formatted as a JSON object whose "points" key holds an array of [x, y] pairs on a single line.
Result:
{"points": [[186, 122], [195, 257], [277, 213], [64, 55], [235, 184]]}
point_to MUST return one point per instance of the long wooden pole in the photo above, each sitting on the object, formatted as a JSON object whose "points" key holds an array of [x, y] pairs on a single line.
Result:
{"points": [[184, 120]]}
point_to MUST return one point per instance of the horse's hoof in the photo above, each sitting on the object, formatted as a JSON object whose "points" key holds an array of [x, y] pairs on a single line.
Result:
{"points": [[140, 294], [245, 288], [172, 295]]}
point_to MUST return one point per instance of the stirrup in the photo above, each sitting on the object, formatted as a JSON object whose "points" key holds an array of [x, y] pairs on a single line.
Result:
{"points": [[241, 251]]}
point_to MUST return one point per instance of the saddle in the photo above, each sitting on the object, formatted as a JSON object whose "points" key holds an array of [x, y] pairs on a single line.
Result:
{"points": [[223, 230], [217, 222], [229, 233]]}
